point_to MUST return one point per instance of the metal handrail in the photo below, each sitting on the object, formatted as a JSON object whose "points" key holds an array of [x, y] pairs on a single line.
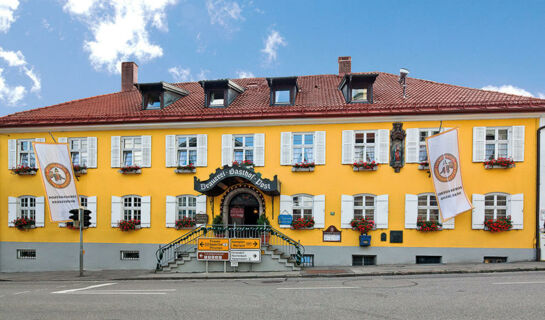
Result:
{"points": [[269, 236]]}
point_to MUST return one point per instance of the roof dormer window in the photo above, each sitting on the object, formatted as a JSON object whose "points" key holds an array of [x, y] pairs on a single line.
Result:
{"points": [[220, 93], [216, 98], [283, 90], [359, 94], [282, 97], [159, 95], [151, 100], [358, 88]]}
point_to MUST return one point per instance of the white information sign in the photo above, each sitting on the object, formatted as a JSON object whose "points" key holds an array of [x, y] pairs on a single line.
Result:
{"points": [[246, 255]]}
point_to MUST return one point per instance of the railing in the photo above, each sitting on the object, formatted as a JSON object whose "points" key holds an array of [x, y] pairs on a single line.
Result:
{"points": [[269, 237]]}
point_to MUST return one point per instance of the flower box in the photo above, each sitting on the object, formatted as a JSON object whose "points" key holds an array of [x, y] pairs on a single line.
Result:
{"points": [[79, 170], [498, 225], [183, 170], [300, 169], [362, 225], [24, 223], [364, 166], [357, 169], [302, 223], [245, 163], [130, 170], [424, 165], [185, 223], [428, 225], [128, 225], [500, 163], [25, 171]]}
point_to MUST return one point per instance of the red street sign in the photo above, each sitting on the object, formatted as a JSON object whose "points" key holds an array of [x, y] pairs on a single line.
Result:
{"points": [[213, 256]]}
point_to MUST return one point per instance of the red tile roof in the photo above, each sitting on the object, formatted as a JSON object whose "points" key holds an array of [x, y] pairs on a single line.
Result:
{"points": [[319, 96]]}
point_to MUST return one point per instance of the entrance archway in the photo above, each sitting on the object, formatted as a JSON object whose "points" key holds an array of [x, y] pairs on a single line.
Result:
{"points": [[242, 204]]}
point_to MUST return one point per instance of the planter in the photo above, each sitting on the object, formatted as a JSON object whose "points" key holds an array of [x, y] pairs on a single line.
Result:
{"points": [[357, 169], [80, 172], [26, 227], [488, 167], [26, 173], [181, 171], [423, 167], [299, 169], [306, 228], [265, 238], [365, 240], [138, 171]]}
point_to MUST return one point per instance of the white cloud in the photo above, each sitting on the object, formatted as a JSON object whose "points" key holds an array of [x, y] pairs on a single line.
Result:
{"points": [[272, 44], [8, 94], [508, 89], [13, 94], [7, 8], [120, 29], [14, 59], [180, 74], [36, 83], [245, 74], [223, 12], [541, 95]]}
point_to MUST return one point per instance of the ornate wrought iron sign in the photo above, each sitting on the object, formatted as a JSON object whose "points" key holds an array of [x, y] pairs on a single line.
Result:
{"points": [[230, 175], [397, 147]]}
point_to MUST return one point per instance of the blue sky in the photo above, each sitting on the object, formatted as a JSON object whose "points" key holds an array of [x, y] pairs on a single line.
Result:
{"points": [[52, 51]]}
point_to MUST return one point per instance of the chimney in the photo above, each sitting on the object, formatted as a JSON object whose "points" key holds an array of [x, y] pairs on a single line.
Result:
{"points": [[129, 75], [345, 65]]}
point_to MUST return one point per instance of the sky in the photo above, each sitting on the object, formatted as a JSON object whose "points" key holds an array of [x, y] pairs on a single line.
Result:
{"points": [[53, 51]]}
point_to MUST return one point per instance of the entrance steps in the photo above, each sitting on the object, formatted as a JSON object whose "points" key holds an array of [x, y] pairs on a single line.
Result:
{"points": [[272, 259]]}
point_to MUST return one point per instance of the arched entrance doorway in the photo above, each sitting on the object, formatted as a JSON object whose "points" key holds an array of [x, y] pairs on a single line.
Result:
{"points": [[242, 204]]}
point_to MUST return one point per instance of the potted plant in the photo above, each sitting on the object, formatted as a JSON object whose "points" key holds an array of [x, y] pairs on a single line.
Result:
{"points": [[364, 166], [79, 169], [498, 225], [428, 225], [265, 234], [130, 170], [303, 166], [244, 163], [500, 163], [128, 225], [217, 226], [184, 223], [189, 168], [302, 223], [24, 170], [363, 226], [24, 223]]}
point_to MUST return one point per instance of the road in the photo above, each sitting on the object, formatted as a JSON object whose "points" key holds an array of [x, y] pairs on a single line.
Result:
{"points": [[518, 295]]}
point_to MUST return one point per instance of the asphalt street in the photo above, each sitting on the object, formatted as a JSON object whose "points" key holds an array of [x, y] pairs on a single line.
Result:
{"points": [[518, 295]]}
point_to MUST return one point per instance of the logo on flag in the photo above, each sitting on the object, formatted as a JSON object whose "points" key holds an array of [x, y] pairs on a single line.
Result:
{"points": [[57, 175], [446, 167]]}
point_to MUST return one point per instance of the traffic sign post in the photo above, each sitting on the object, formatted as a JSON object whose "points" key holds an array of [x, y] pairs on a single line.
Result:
{"points": [[213, 256], [213, 244], [245, 243]]}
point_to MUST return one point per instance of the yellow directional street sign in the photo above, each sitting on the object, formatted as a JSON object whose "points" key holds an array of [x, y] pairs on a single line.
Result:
{"points": [[213, 244], [245, 243]]}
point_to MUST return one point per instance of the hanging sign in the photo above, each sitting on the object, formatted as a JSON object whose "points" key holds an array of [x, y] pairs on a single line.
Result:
{"points": [[58, 179], [445, 169]]}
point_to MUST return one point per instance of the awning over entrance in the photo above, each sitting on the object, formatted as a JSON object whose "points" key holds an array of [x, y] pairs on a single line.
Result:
{"points": [[227, 176]]}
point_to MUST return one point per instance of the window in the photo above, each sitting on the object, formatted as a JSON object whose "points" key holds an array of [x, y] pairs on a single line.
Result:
{"points": [[497, 143], [302, 206], [187, 150], [427, 207], [423, 134], [364, 207], [217, 98], [25, 153], [495, 206], [186, 206], [26, 253], [282, 97], [364, 146], [303, 147], [83, 201], [132, 208], [27, 208], [243, 148], [78, 151], [130, 255], [131, 151], [359, 94], [151, 100]]}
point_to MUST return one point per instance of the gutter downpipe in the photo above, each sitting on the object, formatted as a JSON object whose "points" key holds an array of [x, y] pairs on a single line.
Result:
{"points": [[538, 244]]}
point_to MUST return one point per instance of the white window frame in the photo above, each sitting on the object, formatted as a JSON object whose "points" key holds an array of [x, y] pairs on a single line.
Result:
{"points": [[353, 93], [364, 207], [133, 150], [188, 149], [83, 201], [30, 153], [132, 209], [365, 145], [303, 146], [186, 210], [496, 142], [302, 206], [26, 209], [80, 151], [495, 207], [428, 207], [217, 102], [244, 148], [276, 97], [422, 141]]}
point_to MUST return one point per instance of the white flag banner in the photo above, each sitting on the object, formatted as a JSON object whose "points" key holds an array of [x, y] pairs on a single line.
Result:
{"points": [[444, 160], [58, 179]]}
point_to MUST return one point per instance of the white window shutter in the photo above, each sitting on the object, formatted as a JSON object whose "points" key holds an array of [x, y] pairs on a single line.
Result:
{"points": [[62, 140], [479, 142], [318, 211], [146, 151], [381, 212], [170, 151], [12, 210], [146, 212], [116, 211], [347, 210], [116, 153], [12, 153], [91, 152], [382, 146], [171, 212], [319, 147], [286, 207], [347, 148], [411, 211], [477, 215], [449, 224], [226, 149], [411, 148], [92, 206], [516, 209], [201, 204], [517, 143], [259, 149], [40, 211], [202, 150], [285, 149]]}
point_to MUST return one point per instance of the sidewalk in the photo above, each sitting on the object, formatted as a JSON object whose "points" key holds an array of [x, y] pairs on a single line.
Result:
{"points": [[382, 270]]}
